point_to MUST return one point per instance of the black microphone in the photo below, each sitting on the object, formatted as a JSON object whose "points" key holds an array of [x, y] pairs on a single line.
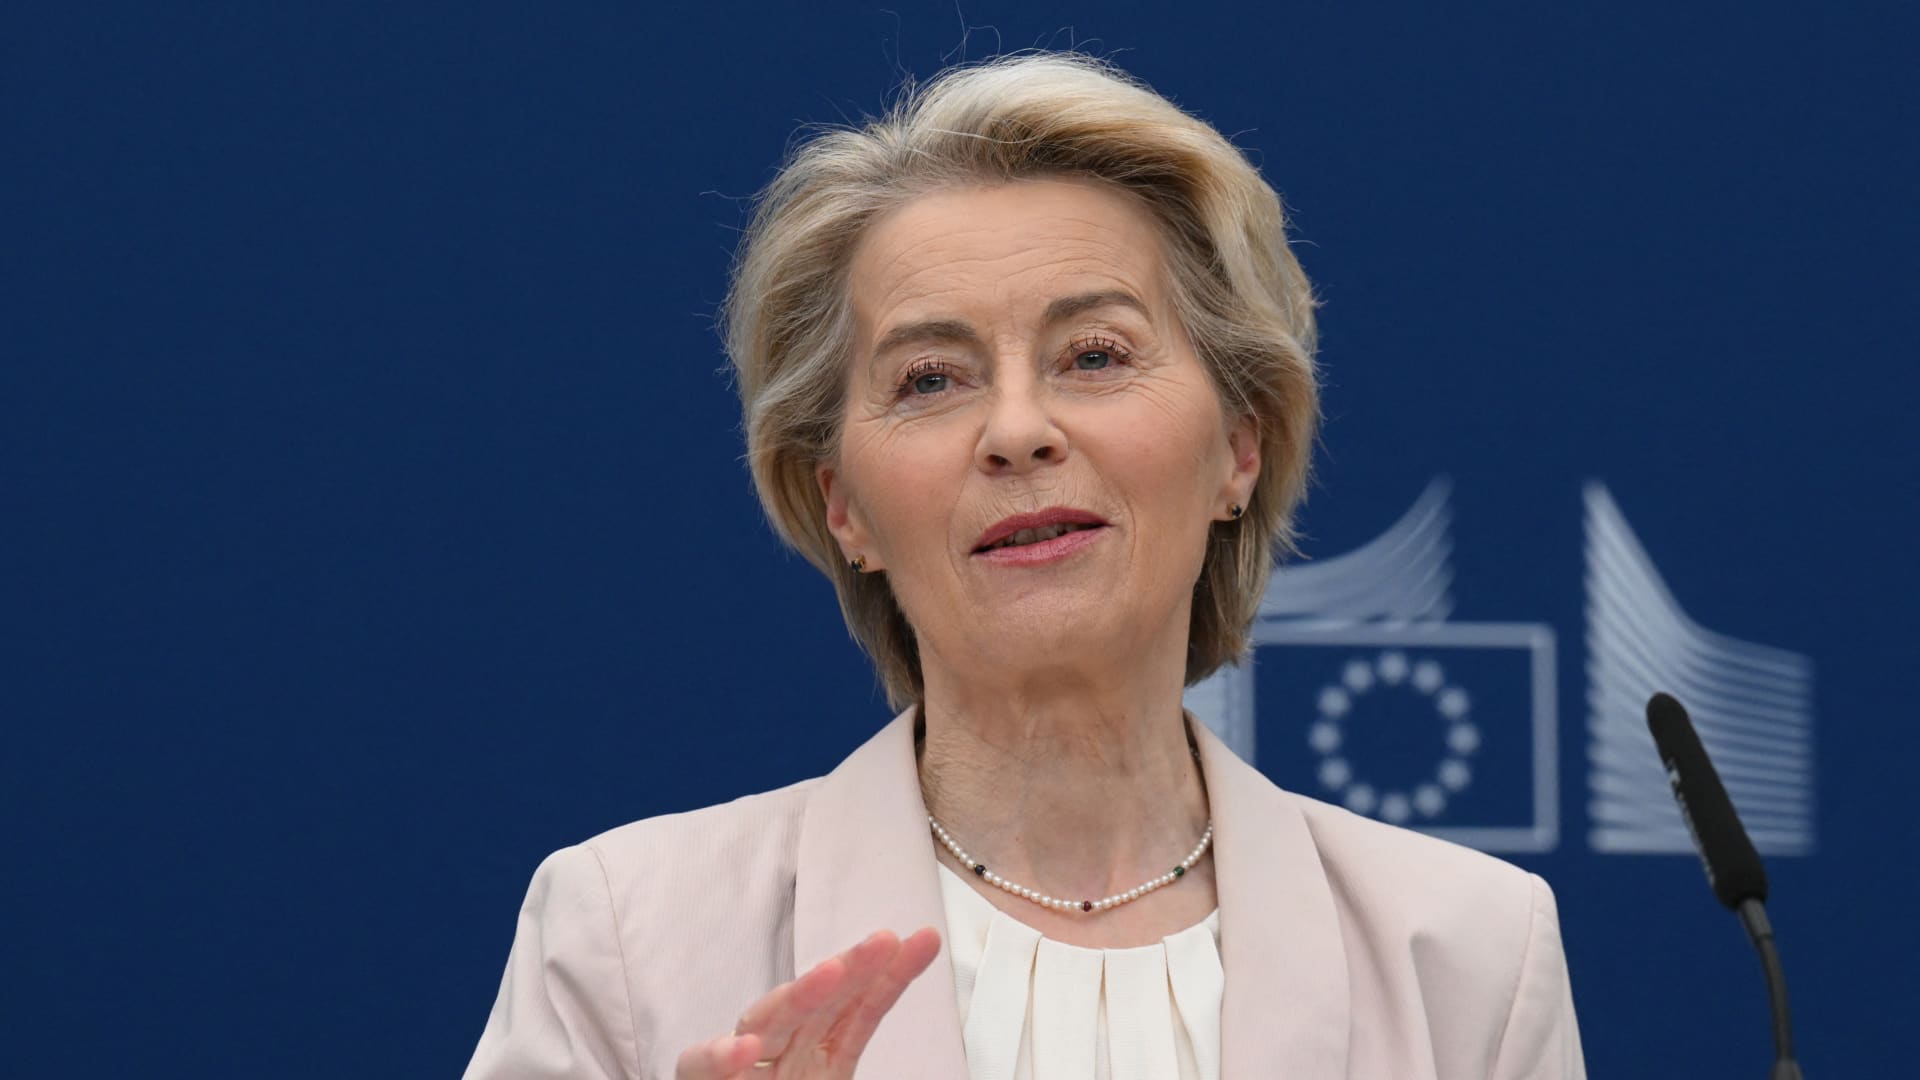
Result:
{"points": [[1733, 866]]}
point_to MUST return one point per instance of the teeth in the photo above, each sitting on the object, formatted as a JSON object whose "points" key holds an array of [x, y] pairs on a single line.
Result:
{"points": [[1035, 536]]}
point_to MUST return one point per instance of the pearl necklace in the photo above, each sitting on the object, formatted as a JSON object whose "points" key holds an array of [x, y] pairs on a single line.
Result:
{"points": [[980, 870]]}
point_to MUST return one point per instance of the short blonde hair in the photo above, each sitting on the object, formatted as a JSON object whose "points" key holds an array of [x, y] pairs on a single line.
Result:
{"points": [[1245, 303]]}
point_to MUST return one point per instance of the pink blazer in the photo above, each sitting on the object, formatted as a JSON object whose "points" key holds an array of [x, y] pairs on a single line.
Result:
{"points": [[1350, 948]]}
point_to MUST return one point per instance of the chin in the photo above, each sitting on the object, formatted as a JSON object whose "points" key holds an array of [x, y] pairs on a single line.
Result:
{"points": [[1067, 623], [1055, 606]]}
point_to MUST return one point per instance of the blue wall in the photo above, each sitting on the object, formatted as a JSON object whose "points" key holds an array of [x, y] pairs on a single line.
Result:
{"points": [[374, 520]]}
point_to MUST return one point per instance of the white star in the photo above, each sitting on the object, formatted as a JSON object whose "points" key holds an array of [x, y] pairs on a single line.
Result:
{"points": [[1335, 772], [1334, 702], [1324, 736], [1464, 738], [1392, 667], [1429, 800], [1361, 799]]}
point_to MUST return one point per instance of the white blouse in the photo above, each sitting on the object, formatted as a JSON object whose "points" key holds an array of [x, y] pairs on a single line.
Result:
{"points": [[1033, 1007]]}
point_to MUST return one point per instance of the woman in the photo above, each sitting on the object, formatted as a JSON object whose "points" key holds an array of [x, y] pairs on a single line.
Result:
{"points": [[1027, 372]]}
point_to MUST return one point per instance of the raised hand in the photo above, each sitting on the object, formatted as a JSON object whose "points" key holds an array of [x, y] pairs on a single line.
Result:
{"points": [[817, 1026]]}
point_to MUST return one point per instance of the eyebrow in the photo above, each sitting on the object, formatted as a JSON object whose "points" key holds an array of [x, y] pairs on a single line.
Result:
{"points": [[959, 331]]}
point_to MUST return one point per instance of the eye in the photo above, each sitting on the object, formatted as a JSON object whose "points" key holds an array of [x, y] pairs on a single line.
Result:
{"points": [[1096, 354], [926, 377]]}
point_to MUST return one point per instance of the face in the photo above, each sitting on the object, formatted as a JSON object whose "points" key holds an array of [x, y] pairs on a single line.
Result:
{"points": [[1018, 370]]}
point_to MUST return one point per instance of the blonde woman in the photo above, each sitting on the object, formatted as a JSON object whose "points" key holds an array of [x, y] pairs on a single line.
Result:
{"points": [[1027, 370]]}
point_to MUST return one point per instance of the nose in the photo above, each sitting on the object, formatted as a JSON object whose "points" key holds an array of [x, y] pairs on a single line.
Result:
{"points": [[1020, 434]]}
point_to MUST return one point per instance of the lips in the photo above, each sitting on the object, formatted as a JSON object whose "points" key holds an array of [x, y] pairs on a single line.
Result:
{"points": [[1035, 536], [1022, 530]]}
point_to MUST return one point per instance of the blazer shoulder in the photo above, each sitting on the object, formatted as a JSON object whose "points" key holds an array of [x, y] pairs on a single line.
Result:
{"points": [[648, 932], [1419, 883], [1473, 938], [755, 829]]}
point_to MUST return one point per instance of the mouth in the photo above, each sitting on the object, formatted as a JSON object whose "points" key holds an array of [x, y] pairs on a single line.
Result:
{"points": [[1025, 537], [1027, 530]]}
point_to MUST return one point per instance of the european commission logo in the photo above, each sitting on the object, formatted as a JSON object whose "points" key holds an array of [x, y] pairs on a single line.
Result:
{"points": [[1380, 701]]}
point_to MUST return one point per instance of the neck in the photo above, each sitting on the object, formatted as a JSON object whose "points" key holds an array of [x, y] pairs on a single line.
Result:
{"points": [[1087, 785]]}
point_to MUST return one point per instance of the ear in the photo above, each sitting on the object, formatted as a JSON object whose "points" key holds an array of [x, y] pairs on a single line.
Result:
{"points": [[1243, 451], [844, 519]]}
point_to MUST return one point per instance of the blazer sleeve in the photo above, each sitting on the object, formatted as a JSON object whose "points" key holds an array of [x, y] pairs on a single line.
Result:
{"points": [[1542, 1037], [563, 1010]]}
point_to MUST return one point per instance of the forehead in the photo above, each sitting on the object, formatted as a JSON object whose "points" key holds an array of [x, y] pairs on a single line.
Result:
{"points": [[1010, 247]]}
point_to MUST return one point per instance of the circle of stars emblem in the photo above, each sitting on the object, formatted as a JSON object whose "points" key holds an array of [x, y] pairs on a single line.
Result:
{"points": [[1360, 677]]}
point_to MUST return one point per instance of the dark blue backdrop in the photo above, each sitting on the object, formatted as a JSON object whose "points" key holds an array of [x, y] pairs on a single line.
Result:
{"points": [[374, 520]]}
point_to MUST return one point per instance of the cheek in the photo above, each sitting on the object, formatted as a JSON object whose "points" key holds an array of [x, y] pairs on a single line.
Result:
{"points": [[1166, 449], [905, 485]]}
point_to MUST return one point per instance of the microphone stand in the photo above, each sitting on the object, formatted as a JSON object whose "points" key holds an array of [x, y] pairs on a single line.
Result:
{"points": [[1753, 915]]}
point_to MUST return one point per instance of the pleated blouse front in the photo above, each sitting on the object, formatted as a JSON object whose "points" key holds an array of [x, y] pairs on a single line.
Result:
{"points": [[1032, 1008]]}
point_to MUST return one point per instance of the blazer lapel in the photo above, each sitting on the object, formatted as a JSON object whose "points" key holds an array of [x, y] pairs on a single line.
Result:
{"points": [[1285, 1008], [866, 863]]}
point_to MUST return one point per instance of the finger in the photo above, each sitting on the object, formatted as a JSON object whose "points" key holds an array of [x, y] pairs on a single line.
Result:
{"points": [[718, 1059], [860, 1022], [865, 963], [774, 1016]]}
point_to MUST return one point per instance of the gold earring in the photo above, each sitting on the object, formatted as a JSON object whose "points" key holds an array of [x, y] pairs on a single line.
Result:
{"points": [[1236, 510], [859, 565]]}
